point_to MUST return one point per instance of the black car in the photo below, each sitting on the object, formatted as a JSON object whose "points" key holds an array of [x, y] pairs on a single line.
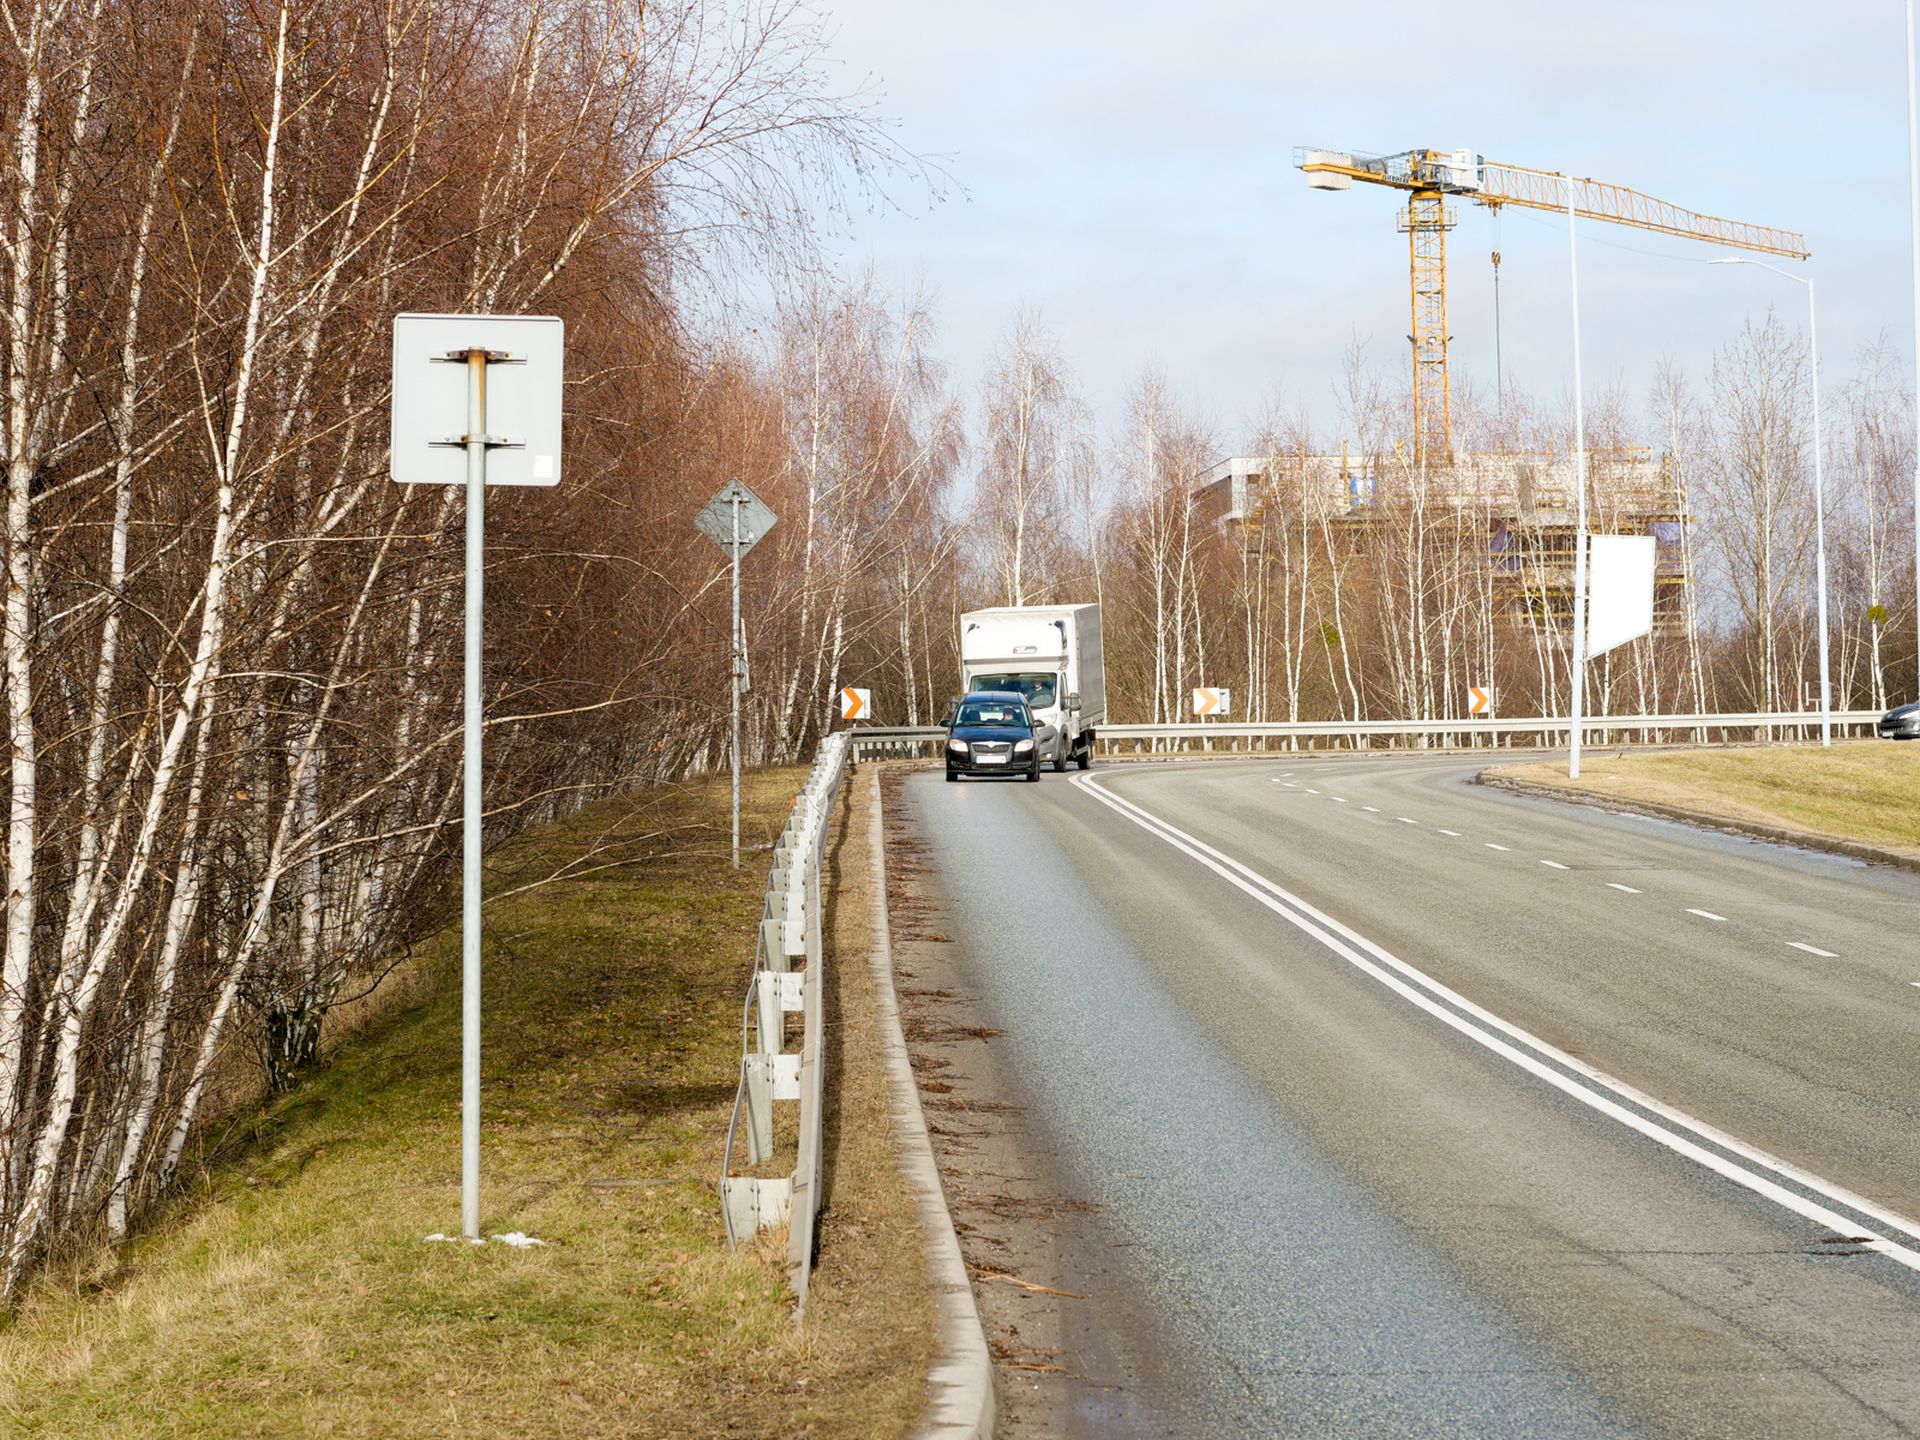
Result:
{"points": [[1901, 723], [992, 733]]}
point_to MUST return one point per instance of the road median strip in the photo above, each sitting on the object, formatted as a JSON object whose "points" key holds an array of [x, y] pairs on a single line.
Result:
{"points": [[1850, 800]]}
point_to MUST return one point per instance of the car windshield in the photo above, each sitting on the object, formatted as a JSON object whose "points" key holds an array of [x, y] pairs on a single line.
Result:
{"points": [[1037, 685], [991, 712]]}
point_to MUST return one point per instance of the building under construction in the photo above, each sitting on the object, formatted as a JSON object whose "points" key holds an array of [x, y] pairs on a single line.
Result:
{"points": [[1521, 506]]}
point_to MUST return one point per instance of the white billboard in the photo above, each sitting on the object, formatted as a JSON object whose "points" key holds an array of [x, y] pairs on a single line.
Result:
{"points": [[1619, 590]]}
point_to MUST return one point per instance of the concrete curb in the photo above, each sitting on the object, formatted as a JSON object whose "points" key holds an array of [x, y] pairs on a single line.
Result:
{"points": [[960, 1384], [1804, 839]]}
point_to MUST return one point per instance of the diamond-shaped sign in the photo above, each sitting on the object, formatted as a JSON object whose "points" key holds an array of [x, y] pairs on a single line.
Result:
{"points": [[716, 517]]}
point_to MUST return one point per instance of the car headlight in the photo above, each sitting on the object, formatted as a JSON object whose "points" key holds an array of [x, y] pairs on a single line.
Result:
{"points": [[1021, 747], [959, 747]]}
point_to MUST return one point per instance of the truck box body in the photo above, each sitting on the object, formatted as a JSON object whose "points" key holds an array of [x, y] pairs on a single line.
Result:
{"points": [[1048, 653]]}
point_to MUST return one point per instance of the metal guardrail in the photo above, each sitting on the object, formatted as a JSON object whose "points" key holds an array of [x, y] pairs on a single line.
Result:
{"points": [[786, 981], [882, 742]]}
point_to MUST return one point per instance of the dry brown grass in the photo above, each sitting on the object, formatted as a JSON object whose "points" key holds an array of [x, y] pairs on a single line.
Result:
{"points": [[1865, 791], [293, 1294]]}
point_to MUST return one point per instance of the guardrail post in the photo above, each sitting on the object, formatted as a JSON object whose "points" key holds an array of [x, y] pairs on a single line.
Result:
{"points": [[757, 1077], [771, 1016]]}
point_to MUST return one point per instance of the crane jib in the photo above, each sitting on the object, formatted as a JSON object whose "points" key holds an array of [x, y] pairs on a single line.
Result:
{"points": [[1430, 176], [1492, 183]]}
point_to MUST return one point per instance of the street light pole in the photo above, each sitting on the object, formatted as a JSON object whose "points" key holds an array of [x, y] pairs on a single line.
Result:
{"points": [[1819, 489], [1913, 201], [1578, 697]]}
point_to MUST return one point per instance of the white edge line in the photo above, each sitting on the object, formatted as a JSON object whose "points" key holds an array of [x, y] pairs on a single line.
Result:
{"points": [[1305, 920]]}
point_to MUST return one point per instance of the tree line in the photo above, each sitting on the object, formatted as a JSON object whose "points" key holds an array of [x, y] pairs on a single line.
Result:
{"points": [[231, 646]]}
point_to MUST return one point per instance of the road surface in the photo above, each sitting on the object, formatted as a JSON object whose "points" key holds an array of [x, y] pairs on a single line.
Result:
{"points": [[1403, 1106]]}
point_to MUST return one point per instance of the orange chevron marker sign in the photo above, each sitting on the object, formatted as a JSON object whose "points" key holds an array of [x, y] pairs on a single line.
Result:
{"points": [[854, 704], [1211, 700], [1479, 700]]}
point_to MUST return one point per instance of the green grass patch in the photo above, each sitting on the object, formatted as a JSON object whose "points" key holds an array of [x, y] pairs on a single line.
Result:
{"points": [[1866, 791], [294, 1293]]}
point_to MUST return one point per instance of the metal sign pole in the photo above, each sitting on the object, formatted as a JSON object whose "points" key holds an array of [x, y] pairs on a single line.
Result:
{"points": [[476, 438], [524, 403], [736, 647], [735, 520]]}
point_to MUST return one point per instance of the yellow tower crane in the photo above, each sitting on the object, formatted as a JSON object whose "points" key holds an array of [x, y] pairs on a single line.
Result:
{"points": [[1430, 176]]}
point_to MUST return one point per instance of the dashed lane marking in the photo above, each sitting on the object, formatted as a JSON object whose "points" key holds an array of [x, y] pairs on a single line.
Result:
{"points": [[1338, 799], [1813, 950], [1492, 846], [1375, 809], [1623, 889], [1454, 833], [1312, 791], [1405, 821], [1553, 865], [1705, 914]]}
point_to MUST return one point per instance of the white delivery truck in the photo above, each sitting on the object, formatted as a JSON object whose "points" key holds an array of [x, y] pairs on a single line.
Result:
{"points": [[1050, 654]]}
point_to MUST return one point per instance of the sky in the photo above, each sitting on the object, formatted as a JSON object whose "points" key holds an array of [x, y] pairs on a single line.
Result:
{"points": [[1126, 170]]}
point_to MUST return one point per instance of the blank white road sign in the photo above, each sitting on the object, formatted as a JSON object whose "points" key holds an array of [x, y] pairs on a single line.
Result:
{"points": [[1619, 590], [855, 704], [430, 397], [1211, 700]]}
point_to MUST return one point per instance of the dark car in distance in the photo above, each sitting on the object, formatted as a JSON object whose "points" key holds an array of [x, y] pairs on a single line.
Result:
{"points": [[991, 732], [1901, 723]]}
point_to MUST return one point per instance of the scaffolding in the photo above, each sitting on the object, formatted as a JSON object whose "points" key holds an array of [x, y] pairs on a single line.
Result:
{"points": [[1522, 504]]}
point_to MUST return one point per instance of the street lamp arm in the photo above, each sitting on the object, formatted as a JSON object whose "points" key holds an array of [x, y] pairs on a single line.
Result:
{"points": [[1806, 280]]}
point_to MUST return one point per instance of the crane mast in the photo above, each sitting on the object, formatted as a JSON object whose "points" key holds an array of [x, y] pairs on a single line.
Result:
{"points": [[1430, 176]]}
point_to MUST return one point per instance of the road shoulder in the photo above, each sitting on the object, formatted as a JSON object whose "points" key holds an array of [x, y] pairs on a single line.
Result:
{"points": [[1072, 1348], [960, 1383]]}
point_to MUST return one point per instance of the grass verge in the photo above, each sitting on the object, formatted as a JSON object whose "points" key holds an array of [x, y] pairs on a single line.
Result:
{"points": [[1866, 792], [293, 1294]]}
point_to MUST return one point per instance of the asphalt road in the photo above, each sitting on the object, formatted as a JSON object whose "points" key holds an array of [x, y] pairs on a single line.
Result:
{"points": [[1418, 1108]]}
